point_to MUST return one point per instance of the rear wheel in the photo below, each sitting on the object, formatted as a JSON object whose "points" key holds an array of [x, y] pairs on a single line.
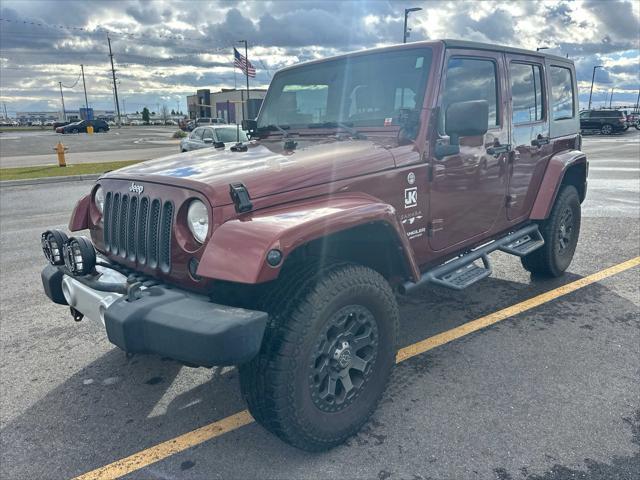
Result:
{"points": [[560, 232], [75, 130], [326, 356], [606, 129]]}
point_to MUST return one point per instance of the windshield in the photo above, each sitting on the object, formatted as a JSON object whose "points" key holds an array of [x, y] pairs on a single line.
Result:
{"points": [[226, 135], [362, 90]]}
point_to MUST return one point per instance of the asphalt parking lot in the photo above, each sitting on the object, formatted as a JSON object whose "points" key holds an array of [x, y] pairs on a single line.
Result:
{"points": [[26, 148], [549, 392]]}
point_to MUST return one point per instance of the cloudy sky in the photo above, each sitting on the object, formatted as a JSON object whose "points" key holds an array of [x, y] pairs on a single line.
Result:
{"points": [[165, 50]]}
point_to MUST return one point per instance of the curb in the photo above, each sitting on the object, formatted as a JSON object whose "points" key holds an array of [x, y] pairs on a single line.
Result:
{"points": [[39, 181]]}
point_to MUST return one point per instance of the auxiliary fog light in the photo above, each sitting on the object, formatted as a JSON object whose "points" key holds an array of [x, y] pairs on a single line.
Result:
{"points": [[79, 255], [52, 242]]}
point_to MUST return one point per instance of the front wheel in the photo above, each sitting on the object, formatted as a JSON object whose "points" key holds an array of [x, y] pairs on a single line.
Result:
{"points": [[560, 232], [606, 129], [326, 356]]}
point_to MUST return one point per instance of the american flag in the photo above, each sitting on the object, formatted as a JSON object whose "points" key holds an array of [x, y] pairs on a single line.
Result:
{"points": [[241, 62]]}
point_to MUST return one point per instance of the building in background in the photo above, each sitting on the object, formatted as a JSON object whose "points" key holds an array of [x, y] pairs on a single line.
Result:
{"points": [[228, 103]]}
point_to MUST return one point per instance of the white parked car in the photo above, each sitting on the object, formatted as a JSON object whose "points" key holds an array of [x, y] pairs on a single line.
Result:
{"points": [[136, 122]]}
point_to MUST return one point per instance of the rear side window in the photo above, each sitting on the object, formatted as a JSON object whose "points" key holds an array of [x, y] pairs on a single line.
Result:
{"points": [[471, 79], [561, 93], [526, 93], [208, 133]]}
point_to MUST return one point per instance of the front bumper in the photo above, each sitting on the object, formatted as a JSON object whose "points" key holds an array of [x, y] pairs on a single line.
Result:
{"points": [[164, 321]]}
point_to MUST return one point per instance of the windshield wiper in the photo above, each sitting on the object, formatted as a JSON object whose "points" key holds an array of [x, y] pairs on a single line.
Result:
{"points": [[345, 126]]}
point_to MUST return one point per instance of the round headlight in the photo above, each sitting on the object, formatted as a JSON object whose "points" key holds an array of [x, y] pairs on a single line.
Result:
{"points": [[98, 198], [52, 242], [79, 255], [198, 220]]}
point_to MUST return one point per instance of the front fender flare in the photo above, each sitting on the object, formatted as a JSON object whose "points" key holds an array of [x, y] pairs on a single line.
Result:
{"points": [[80, 217], [556, 169], [238, 248]]}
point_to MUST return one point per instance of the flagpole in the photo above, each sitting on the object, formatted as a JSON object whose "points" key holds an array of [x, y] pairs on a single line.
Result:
{"points": [[246, 72]]}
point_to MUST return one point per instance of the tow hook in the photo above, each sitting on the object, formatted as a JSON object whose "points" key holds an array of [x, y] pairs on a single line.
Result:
{"points": [[77, 316]]}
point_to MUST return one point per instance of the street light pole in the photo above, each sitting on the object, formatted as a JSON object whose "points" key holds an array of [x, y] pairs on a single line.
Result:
{"points": [[84, 85], [611, 97], [593, 76], [64, 112], [407, 11]]}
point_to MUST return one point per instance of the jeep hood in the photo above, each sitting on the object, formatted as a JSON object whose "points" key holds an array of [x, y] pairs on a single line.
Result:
{"points": [[265, 168]]}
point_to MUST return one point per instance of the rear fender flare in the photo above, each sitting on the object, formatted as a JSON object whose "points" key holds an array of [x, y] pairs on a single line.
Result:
{"points": [[553, 176], [238, 249]]}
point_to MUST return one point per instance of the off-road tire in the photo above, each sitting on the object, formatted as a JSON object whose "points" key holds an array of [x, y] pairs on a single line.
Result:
{"points": [[278, 383], [606, 129], [554, 257]]}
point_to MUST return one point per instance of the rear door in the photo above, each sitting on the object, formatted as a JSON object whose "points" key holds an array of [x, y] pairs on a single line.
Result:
{"points": [[530, 144], [468, 189]]}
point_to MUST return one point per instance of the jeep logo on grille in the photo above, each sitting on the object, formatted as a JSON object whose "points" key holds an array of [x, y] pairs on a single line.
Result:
{"points": [[136, 188]]}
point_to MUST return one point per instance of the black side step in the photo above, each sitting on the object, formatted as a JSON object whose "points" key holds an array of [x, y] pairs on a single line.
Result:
{"points": [[524, 245], [463, 271]]}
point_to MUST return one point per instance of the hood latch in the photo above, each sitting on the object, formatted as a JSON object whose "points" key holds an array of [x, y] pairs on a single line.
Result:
{"points": [[240, 196]]}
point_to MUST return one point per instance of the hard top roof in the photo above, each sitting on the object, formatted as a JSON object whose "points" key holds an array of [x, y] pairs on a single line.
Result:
{"points": [[448, 43], [501, 48]]}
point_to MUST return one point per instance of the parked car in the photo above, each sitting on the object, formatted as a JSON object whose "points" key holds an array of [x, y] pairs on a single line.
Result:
{"points": [[210, 121], [606, 122], [203, 137], [56, 125], [81, 127], [136, 123], [48, 123], [283, 255], [36, 123]]}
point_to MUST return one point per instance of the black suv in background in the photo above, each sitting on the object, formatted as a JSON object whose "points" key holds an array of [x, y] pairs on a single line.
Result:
{"points": [[604, 121], [81, 127]]}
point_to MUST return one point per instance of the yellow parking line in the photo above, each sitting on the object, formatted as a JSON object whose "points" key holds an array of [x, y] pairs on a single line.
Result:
{"points": [[200, 435]]}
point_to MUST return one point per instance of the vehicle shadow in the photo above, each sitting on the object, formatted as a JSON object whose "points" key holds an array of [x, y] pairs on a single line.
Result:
{"points": [[116, 406]]}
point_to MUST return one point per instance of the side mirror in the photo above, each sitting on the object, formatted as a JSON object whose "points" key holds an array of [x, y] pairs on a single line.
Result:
{"points": [[250, 125], [463, 119]]}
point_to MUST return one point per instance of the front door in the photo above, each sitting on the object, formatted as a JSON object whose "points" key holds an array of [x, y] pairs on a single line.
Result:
{"points": [[529, 133], [468, 189]]}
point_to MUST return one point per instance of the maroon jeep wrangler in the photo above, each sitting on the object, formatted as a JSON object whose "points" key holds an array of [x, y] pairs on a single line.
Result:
{"points": [[366, 175]]}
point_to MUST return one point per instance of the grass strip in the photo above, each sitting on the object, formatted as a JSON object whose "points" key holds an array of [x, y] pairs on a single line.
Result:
{"points": [[42, 171]]}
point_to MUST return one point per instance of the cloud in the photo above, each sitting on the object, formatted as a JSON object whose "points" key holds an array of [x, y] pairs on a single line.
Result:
{"points": [[179, 46]]}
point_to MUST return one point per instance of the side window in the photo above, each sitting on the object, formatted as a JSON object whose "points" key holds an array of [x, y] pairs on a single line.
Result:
{"points": [[471, 79], [526, 93], [197, 134], [208, 134], [404, 98], [584, 114], [561, 93]]}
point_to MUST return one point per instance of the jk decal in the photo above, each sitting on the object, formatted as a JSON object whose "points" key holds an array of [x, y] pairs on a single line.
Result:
{"points": [[410, 197]]}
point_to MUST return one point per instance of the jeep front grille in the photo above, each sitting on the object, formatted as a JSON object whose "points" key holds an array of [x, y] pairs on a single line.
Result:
{"points": [[138, 229]]}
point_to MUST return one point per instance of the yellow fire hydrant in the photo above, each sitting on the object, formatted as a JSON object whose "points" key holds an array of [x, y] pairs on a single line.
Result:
{"points": [[90, 129], [60, 149]]}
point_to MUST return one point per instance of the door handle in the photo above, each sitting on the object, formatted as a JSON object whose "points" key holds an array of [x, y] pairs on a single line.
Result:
{"points": [[498, 149], [539, 141]]}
